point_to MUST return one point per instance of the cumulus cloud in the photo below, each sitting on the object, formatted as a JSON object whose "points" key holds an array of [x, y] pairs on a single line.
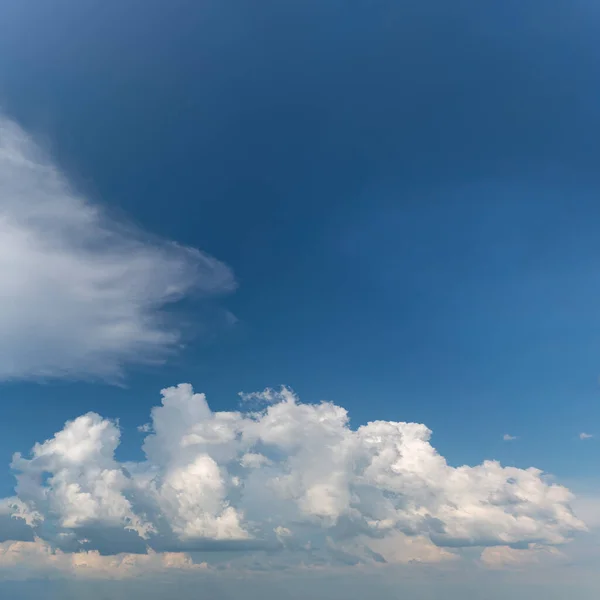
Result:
{"points": [[397, 548], [585, 436], [289, 476], [22, 559], [82, 293], [509, 438], [502, 557]]}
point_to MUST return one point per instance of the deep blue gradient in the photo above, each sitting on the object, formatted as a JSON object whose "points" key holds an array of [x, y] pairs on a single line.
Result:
{"points": [[408, 192]]}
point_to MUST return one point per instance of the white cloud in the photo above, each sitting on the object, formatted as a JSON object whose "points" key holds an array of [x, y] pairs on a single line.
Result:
{"points": [[502, 557], [23, 559], [87, 485], [509, 438], [585, 436], [81, 294], [398, 548], [291, 476]]}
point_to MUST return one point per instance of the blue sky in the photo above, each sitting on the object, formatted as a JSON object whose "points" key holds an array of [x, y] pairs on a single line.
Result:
{"points": [[404, 193]]}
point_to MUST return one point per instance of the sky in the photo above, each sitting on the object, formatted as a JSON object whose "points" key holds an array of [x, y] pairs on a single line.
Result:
{"points": [[299, 291]]}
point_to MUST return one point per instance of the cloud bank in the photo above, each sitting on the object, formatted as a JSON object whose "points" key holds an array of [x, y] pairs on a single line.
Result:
{"points": [[82, 293], [23, 560], [288, 477]]}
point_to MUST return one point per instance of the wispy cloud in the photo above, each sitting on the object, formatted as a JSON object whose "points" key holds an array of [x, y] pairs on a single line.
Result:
{"points": [[509, 438], [81, 294], [585, 436]]}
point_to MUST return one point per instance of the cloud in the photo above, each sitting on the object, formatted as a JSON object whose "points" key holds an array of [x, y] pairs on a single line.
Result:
{"points": [[399, 549], [502, 557], [22, 559], [509, 438], [290, 477], [585, 436], [82, 294]]}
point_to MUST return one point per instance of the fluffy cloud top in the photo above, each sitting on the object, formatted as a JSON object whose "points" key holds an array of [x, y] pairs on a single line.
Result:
{"points": [[81, 293], [289, 476]]}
